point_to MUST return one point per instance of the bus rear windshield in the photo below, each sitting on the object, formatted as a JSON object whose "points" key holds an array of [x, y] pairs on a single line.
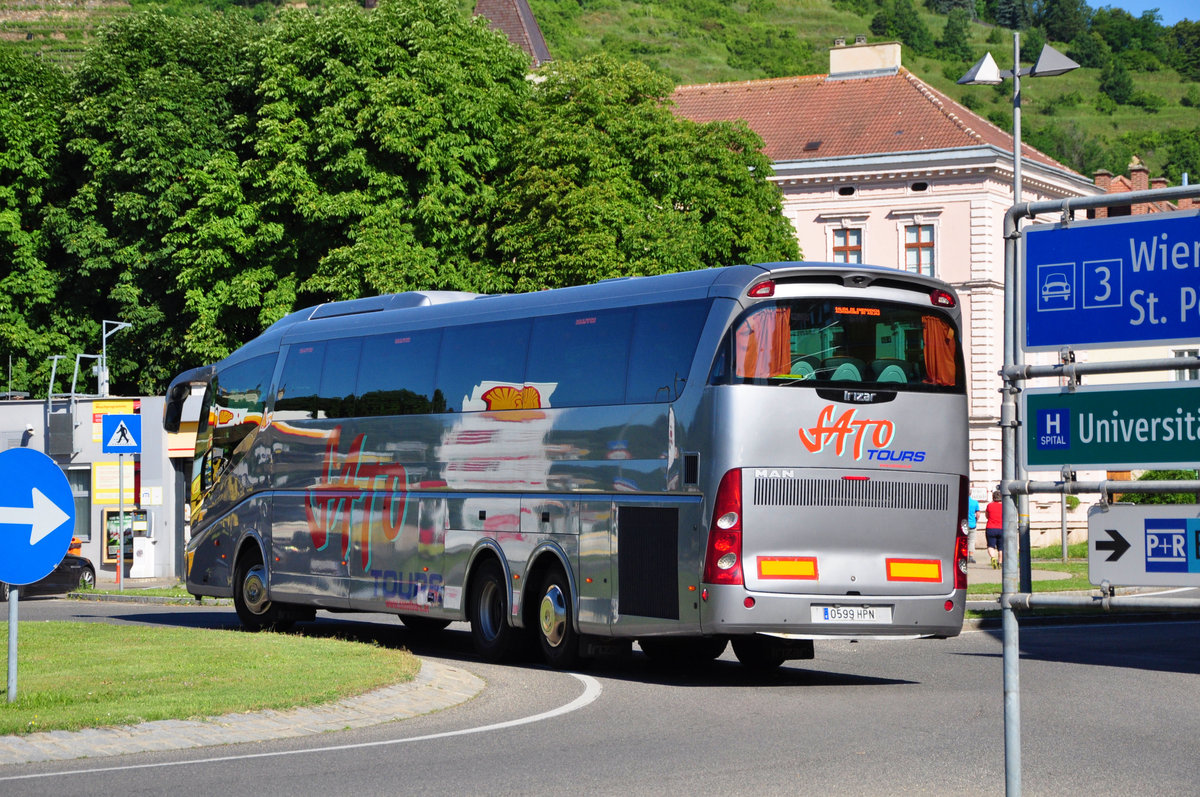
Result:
{"points": [[836, 342]]}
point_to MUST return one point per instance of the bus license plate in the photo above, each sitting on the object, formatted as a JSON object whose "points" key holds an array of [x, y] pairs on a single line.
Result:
{"points": [[852, 614]]}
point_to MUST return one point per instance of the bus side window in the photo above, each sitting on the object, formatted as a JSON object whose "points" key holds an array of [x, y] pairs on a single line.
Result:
{"points": [[474, 355], [395, 376], [583, 354], [237, 395], [339, 377], [300, 382], [664, 343]]}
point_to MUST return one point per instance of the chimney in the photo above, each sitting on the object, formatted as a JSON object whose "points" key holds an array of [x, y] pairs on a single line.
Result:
{"points": [[1103, 180], [862, 60], [1139, 179], [1158, 182]]}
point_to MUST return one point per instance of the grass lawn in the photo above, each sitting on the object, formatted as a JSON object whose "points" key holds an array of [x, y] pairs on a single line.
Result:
{"points": [[87, 675]]}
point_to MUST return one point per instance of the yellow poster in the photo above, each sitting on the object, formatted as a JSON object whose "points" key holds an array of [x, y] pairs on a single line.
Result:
{"points": [[106, 487], [102, 408]]}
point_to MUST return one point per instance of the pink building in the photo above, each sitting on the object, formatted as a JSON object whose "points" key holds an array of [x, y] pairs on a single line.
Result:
{"points": [[877, 167]]}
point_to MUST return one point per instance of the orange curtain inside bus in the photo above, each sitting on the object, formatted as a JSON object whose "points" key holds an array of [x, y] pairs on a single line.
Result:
{"points": [[764, 343], [940, 348]]}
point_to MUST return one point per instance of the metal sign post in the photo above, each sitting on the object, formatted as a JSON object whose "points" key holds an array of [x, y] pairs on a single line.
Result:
{"points": [[38, 512], [121, 435]]}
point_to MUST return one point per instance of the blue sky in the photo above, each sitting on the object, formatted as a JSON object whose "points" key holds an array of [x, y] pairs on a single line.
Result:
{"points": [[1171, 10]]}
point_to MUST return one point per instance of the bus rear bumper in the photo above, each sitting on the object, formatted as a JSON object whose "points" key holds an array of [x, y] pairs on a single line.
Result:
{"points": [[735, 610]]}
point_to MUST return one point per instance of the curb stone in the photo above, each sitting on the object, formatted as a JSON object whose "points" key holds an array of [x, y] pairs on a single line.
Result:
{"points": [[437, 686]]}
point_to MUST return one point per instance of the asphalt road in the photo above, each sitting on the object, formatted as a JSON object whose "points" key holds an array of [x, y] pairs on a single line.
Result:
{"points": [[1106, 708]]}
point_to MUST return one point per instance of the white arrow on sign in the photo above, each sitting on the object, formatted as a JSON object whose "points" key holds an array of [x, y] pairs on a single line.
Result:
{"points": [[42, 518]]}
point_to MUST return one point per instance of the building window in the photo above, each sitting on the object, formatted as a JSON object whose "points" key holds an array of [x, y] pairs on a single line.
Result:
{"points": [[1188, 374], [918, 249], [847, 246], [80, 480]]}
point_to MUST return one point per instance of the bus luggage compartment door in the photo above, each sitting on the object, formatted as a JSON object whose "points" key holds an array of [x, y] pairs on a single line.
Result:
{"points": [[816, 531]]}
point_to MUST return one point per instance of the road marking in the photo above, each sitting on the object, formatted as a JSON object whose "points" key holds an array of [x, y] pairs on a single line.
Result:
{"points": [[591, 691]]}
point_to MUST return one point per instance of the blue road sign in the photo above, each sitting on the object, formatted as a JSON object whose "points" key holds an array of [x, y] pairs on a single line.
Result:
{"points": [[1130, 281], [37, 515], [121, 434]]}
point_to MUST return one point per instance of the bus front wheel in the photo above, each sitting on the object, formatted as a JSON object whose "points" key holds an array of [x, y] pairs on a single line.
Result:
{"points": [[556, 632], [256, 611], [495, 639]]}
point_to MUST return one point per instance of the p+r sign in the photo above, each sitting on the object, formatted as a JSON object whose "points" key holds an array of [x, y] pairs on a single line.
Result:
{"points": [[1133, 280]]}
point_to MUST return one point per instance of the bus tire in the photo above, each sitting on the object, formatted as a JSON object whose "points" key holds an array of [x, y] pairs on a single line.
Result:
{"points": [[557, 637], [256, 611], [685, 651], [494, 637], [759, 653]]}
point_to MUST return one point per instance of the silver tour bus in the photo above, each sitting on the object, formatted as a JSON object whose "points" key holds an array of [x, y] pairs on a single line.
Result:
{"points": [[760, 454]]}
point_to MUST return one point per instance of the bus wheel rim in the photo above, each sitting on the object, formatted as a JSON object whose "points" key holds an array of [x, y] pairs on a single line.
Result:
{"points": [[552, 616], [254, 590]]}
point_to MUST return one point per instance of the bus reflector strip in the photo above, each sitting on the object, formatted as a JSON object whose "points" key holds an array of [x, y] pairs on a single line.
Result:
{"points": [[914, 570], [791, 567]]}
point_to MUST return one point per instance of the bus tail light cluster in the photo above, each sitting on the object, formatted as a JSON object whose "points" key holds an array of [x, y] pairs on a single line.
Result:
{"points": [[962, 553], [941, 298], [723, 558]]}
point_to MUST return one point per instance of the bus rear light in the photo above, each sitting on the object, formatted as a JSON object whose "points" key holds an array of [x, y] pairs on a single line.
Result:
{"points": [[857, 478], [941, 298], [748, 602], [763, 290], [962, 551], [949, 606], [723, 559]]}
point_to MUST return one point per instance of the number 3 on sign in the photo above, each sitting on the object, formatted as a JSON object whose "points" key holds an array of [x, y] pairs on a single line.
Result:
{"points": [[1102, 283]]}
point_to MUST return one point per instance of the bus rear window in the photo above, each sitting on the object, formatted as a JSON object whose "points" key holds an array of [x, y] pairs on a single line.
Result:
{"points": [[823, 342]]}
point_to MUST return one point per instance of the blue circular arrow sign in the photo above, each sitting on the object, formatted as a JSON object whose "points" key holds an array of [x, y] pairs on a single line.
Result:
{"points": [[37, 515]]}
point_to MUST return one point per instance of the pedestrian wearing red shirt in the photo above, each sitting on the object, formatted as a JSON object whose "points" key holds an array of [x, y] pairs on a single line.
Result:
{"points": [[994, 528]]}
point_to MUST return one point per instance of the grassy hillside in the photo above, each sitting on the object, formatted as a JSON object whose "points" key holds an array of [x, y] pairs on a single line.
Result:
{"points": [[699, 41]]}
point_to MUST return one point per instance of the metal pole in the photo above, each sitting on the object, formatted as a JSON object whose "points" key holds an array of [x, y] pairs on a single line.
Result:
{"points": [[14, 595], [120, 522], [1012, 508], [1064, 527]]}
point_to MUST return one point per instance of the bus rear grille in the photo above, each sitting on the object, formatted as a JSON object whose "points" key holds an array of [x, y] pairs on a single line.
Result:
{"points": [[873, 493]]}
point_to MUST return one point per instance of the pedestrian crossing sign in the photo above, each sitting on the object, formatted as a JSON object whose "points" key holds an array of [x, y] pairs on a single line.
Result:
{"points": [[121, 434]]}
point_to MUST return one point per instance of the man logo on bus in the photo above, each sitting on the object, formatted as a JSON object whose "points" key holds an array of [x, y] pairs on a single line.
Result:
{"points": [[847, 428]]}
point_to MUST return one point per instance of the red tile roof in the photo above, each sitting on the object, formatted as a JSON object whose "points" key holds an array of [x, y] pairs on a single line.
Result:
{"points": [[814, 117], [515, 20]]}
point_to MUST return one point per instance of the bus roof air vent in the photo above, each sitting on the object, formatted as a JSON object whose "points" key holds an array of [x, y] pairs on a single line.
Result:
{"points": [[391, 301]]}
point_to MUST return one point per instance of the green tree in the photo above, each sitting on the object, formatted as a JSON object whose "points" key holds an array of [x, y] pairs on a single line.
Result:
{"points": [[1115, 82], [152, 101], [374, 153], [1063, 20], [1090, 50], [956, 38], [1012, 14], [1163, 498], [898, 19], [1185, 52], [32, 325], [602, 180]]}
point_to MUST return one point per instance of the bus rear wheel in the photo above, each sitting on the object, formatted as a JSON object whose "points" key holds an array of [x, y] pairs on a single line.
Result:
{"points": [[556, 632], [256, 611], [495, 639]]}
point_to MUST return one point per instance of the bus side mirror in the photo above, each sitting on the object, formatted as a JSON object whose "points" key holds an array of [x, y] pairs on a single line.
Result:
{"points": [[173, 411]]}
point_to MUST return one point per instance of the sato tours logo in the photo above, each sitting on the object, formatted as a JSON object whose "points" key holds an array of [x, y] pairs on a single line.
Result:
{"points": [[849, 434], [1053, 429]]}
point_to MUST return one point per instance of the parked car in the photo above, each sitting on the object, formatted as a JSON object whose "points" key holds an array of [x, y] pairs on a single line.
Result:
{"points": [[72, 573]]}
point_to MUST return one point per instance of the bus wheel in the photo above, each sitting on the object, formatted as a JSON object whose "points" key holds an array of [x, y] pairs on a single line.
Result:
{"points": [[556, 634], [495, 639], [422, 626], [683, 650], [759, 653], [254, 608]]}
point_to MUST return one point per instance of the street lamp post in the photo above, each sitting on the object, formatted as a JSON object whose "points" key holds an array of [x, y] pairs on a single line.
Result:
{"points": [[1016, 514]]}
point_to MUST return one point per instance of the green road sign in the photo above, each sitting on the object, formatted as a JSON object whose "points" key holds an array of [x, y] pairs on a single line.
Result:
{"points": [[1116, 427]]}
